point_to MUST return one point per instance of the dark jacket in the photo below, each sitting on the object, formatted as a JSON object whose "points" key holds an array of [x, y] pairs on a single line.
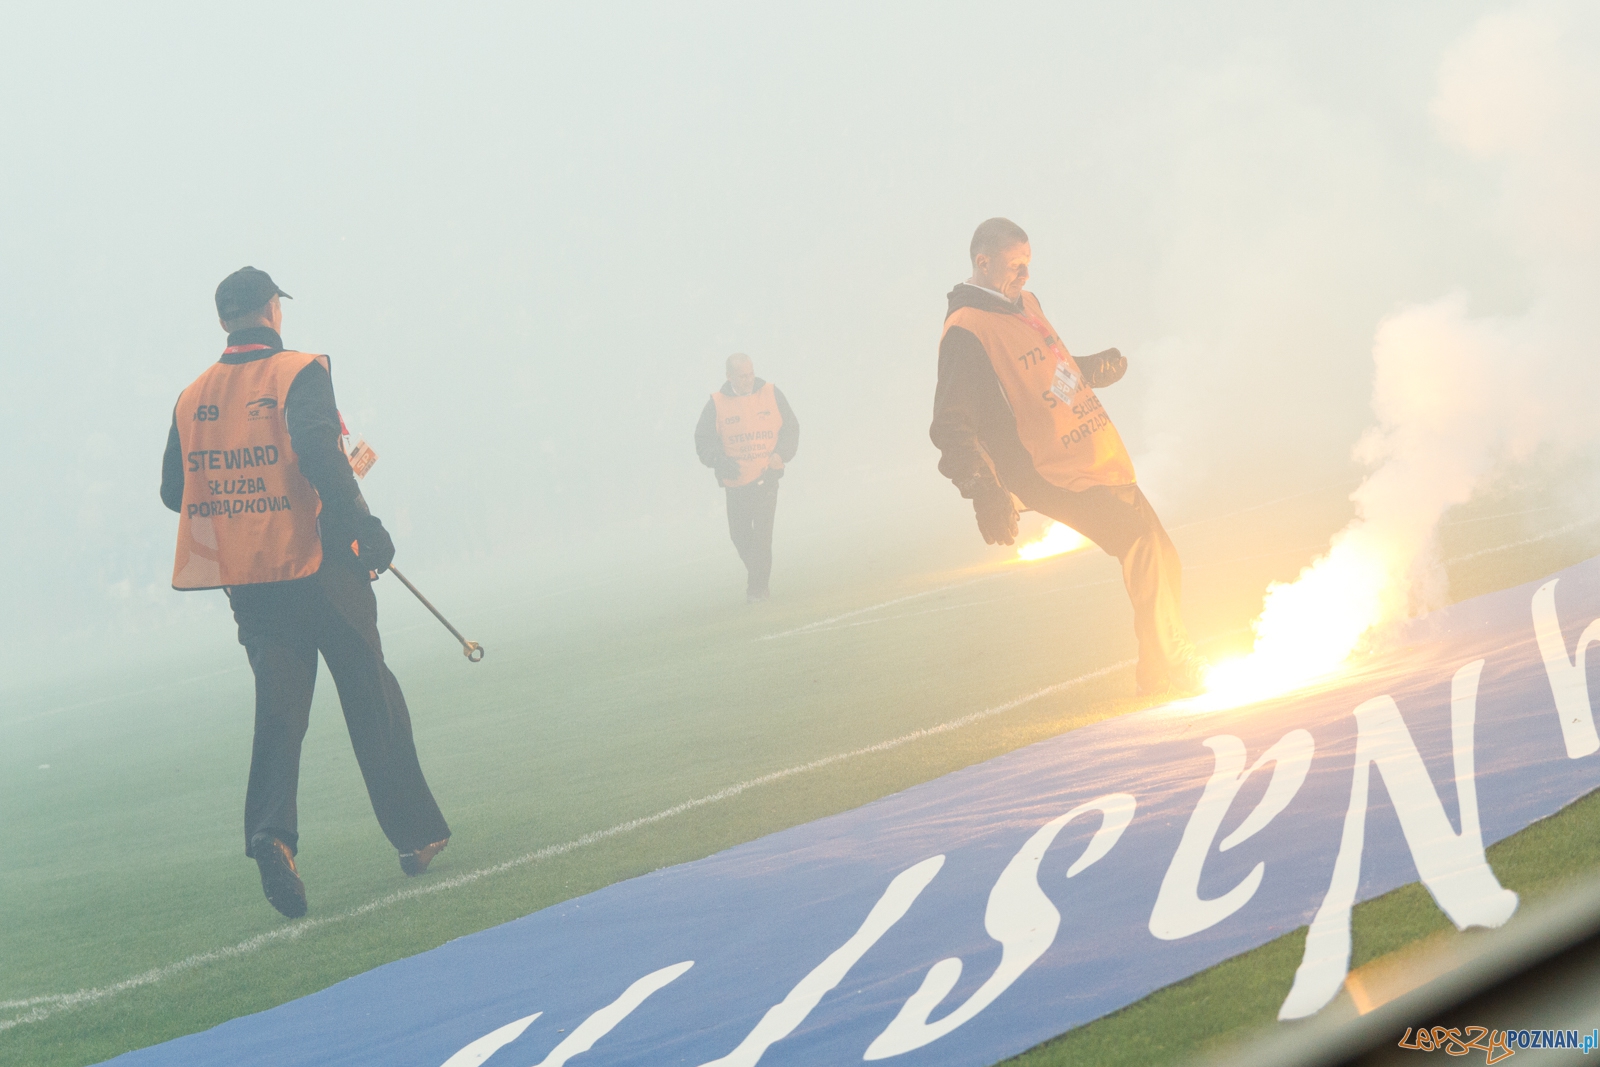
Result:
{"points": [[973, 427], [314, 433], [708, 441]]}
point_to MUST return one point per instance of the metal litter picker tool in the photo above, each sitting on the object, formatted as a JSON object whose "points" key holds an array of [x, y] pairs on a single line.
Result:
{"points": [[471, 649], [362, 457]]}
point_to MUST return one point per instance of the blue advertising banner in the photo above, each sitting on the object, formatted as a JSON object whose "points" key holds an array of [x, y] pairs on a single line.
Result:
{"points": [[966, 919]]}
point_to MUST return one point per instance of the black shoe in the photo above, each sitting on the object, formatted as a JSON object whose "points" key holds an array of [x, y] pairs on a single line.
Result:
{"points": [[416, 861], [279, 880]]}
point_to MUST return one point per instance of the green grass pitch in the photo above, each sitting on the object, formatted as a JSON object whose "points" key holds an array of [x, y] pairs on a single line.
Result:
{"points": [[131, 916]]}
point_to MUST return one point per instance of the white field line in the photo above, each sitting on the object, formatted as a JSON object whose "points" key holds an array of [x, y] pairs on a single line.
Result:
{"points": [[1547, 535], [42, 1007], [819, 627], [1501, 515], [1319, 547], [1264, 504], [831, 621], [119, 696], [824, 625], [969, 604]]}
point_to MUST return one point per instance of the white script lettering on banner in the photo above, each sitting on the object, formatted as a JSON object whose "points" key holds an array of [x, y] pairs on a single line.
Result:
{"points": [[583, 1038], [1019, 916], [1569, 678], [1179, 910], [1452, 866], [781, 1019]]}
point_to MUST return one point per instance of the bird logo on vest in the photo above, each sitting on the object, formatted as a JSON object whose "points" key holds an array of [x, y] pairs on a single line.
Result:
{"points": [[259, 407]]}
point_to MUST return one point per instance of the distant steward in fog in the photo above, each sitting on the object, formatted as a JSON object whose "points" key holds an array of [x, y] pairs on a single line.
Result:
{"points": [[1015, 413], [269, 512], [747, 433]]}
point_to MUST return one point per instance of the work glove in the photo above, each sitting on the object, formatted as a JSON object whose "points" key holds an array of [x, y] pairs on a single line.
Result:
{"points": [[997, 516], [727, 468], [1103, 368], [374, 546]]}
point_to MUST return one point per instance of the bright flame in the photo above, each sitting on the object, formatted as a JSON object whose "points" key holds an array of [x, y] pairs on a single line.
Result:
{"points": [[1433, 393], [1058, 539], [1460, 398], [1309, 628]]}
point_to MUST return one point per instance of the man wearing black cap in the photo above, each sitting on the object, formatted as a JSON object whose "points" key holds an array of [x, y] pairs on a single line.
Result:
{"points": [[269, 511]]}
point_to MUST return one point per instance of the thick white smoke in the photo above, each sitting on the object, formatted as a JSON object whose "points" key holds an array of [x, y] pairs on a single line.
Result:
{"points": [[1462, 397]]}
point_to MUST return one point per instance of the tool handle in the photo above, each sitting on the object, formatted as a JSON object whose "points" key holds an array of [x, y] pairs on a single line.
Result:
{"points": [[471, 649]]}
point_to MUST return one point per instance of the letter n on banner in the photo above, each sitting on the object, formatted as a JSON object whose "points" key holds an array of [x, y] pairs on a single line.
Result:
{"points": [[1452, 866]]}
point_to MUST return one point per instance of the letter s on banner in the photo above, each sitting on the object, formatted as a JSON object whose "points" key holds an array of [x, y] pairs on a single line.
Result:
{"points": [[1569, 678], [1179, 910], [1452, 866], [1019, 916]]}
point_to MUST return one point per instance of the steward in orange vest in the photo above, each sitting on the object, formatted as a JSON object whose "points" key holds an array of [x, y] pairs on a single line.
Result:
{"points": [[268, 510], [1016, 417], [747, 433]]}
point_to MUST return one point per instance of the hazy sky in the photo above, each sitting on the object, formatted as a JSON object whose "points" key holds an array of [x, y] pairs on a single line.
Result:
{"points": [[530, 234]]}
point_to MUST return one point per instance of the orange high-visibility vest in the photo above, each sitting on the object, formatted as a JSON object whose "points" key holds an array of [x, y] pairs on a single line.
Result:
{"points": [[249, 515], [1067, 433], [749, 426]]}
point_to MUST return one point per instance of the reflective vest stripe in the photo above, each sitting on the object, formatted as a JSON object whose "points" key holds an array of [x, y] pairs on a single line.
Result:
{"points": [[1067, 433], [749, 427], [249, 515]]}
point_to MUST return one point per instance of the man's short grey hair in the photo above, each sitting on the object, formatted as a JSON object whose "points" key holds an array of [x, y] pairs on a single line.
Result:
{"points": [[737, 357], [995, 235]]}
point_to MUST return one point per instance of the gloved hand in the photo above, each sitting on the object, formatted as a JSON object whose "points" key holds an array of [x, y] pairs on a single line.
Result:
{"points": [[375, 548], [997, 516], [727, 468], [1104, 368]]}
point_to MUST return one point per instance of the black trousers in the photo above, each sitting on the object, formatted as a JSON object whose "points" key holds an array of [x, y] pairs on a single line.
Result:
{"points": [[1120, 520], [283, 626], [751, 509]]}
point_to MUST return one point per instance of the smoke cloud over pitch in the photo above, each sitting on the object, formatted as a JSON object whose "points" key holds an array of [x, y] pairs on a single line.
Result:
{"points": [[1462, 398], [529, 237]]}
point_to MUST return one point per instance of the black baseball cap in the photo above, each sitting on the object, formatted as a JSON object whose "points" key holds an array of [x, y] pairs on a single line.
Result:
{"points": [[246, 289]]}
